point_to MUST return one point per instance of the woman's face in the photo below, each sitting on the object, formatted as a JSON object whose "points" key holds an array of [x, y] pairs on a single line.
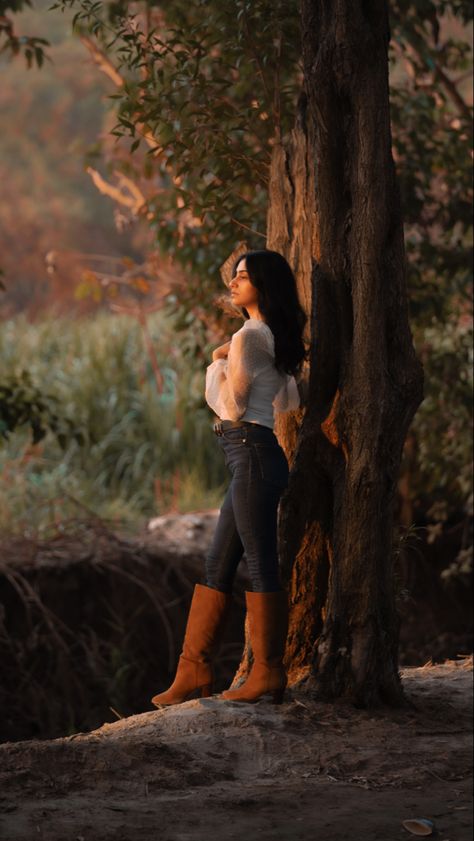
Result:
{"points": [[242, 290]]}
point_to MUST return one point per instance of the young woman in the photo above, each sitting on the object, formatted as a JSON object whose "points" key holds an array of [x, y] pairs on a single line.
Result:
{"points": [[250, 377]]}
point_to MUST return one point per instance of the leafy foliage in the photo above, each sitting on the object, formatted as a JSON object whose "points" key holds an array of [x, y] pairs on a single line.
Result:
{"points": [[214, 84], [32, 47], [432, 145], [443, 421], [21, 402], [432, 137]]}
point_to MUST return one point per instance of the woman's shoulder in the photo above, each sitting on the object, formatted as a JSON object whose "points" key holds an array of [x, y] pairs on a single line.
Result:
{"points": [[253, 342], [255, 324], [256, 331]]}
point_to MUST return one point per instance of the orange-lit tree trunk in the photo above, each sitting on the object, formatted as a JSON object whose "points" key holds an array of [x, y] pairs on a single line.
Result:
{"points": [[335, 213]]}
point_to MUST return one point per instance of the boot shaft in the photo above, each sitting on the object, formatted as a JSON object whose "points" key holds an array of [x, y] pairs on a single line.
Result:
{"points": [[206, 619], [268, 625]]}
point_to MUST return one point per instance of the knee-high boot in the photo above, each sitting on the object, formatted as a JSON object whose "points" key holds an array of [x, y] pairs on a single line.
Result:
{"points": [[206, 618], [268, 628]]}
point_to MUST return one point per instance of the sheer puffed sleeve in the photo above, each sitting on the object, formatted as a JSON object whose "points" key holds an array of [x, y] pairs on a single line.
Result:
{"points": [[228, 381], [287, 398]]}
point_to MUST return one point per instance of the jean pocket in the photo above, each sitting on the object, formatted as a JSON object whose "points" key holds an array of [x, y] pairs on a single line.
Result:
{"points": [[272, 464], [234, 450]]}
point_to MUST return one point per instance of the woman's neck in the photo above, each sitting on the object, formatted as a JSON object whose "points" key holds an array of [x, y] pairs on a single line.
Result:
{"points": [[254, 312]]}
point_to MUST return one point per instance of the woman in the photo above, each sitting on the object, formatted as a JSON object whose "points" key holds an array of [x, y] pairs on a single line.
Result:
{"points": [[250, 377]]}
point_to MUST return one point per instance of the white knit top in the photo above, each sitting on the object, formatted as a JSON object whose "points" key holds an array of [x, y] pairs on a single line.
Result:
{"points": [[246, 385]]}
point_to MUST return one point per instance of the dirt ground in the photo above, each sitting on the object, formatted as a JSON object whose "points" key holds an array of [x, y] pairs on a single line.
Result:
{"points": [[210, 769]]}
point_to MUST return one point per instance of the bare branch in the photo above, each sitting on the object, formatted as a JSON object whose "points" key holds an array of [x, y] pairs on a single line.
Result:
{"points": [[452, 90], [135, 200], [102, 61], [437, 71], [105, 65]]}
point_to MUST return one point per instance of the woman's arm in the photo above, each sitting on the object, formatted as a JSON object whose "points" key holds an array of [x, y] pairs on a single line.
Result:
{"points": [[288, 397], [228, 381]]}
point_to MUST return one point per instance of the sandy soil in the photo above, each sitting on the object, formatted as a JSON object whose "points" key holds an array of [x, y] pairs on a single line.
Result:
{"points": [[211, 769]]}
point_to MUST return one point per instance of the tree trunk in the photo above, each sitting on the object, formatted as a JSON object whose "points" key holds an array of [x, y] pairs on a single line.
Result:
{"points": [[335, 214]]}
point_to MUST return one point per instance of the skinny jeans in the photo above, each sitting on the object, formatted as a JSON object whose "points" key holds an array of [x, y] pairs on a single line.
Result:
{"points": [[248, 517]]}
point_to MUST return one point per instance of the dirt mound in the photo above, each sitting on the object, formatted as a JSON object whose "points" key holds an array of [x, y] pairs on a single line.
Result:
{"points": [[214, 769]]}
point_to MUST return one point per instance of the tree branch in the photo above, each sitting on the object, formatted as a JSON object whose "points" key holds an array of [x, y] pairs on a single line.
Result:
{"points": [[452, 90], [102, 61], [135, 201], [438, 72], [106, 66]]}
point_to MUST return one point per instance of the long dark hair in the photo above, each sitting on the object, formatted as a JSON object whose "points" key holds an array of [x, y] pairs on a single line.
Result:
{"points": [[278, 302]]}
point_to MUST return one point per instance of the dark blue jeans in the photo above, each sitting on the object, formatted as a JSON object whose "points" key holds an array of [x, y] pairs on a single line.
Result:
{"points": [[248, 516]]}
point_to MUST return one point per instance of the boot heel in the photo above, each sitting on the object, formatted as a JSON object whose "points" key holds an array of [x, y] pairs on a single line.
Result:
{"points": [[278, 696], [206, 690]]}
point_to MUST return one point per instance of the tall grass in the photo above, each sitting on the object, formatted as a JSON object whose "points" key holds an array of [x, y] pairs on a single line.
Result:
{"points": [[146, 452]]}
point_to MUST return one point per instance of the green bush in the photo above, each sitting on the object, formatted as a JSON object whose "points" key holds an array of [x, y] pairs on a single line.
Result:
{"points": [[143, 451], [443, 421]]}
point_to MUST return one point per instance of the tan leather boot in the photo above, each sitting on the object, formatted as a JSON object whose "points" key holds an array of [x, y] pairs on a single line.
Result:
{"points": [[194, 675], [268, 628]]}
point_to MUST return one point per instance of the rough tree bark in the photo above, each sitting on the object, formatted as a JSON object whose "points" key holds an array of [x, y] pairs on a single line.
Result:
{"points": [[335, 213]]}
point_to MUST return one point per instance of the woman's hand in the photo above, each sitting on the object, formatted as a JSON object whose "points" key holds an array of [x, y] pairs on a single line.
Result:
{"points": [[221, 351]]}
